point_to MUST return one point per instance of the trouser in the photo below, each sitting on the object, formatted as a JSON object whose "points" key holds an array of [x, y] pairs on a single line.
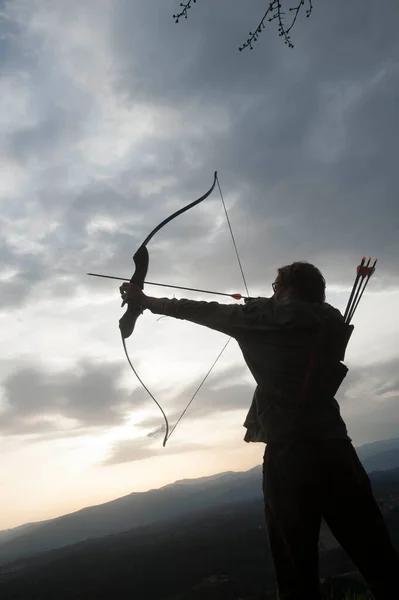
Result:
{"points": [[323, 479]]}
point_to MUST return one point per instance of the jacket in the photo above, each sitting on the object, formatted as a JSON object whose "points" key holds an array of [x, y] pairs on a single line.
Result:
{"points": [[294, 351]]}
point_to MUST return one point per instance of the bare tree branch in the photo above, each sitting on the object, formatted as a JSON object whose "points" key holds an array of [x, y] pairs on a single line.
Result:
{"points": [[183, 13], [274, 12]]}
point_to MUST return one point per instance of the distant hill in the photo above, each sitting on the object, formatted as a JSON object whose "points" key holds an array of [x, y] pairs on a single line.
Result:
{"points": [[183, 498], [169, 560], [9, 534], [186, 497], [379, 456], [151, 562], [375, 448], [388, 459]]}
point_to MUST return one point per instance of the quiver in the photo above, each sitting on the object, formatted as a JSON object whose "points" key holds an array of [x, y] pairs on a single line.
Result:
{"points": [[326, 370]]}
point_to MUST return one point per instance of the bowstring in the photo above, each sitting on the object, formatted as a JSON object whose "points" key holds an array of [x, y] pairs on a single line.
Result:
{"points": [[232, 236], [197, 390], [167, 435]]}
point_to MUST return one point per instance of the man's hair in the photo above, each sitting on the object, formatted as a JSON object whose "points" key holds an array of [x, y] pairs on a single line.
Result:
{"points": [[305, 281]]}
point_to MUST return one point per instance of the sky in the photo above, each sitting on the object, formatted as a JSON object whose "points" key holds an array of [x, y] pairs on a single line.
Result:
{"points": [[111, 117]]}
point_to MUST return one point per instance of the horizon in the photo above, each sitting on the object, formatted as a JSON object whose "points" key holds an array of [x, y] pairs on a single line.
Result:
{"points": [[112, 117], [188, 480], [129, 494]]}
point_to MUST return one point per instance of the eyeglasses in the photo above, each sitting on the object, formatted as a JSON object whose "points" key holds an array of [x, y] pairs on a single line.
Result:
{"points": [[274, 286]]}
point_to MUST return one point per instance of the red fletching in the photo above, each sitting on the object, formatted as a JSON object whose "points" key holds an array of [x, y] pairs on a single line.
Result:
{"points": [[363, 274], [365, 271]]}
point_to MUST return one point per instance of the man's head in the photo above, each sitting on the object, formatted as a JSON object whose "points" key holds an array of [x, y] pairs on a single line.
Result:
{"points": [[302, 281]]}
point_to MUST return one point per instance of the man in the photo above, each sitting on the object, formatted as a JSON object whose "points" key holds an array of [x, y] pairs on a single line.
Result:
{"points": [[293, 344]]}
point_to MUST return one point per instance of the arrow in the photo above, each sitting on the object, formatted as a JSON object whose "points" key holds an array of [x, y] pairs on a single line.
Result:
{"points": [[364, 272], [176, 287]]}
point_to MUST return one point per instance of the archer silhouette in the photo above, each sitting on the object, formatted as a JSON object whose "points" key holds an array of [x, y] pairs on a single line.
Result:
{"points": [[294, 344]]}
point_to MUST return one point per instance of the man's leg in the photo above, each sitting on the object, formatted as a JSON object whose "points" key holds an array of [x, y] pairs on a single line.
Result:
{"points": [[355, 519], [293, 518]]}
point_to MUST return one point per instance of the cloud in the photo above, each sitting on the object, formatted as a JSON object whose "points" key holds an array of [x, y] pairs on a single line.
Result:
{"points": [[224, 391], [39, 402], [128, 451], [47, 404], [306, 152], [115, 117], [369, 401]]}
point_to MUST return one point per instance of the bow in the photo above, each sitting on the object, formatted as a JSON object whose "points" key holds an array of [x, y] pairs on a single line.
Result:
{"points": [[128, 321]]}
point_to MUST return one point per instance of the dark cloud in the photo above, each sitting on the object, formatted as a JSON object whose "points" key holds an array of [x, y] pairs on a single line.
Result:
{"points": [[62, 404], [311, 136], [40, 402], [308, 145], [222, 392], [45, 137], [369, 400], [305, 142], [47, 406], [22, 271]]}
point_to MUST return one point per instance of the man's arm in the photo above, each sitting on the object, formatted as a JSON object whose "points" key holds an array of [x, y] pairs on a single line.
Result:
{"points": [[258, 314], [226, 318]]}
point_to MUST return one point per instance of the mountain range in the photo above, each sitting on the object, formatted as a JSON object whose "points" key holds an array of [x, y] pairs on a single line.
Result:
{"points": [[182, 498]]}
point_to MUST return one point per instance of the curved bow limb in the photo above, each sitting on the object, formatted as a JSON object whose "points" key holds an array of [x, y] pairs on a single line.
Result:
{"points": [[141, 260]]}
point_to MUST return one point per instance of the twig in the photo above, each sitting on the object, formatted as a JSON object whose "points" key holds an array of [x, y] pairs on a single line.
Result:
{"points": [[183, 13], [276, 12]]}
